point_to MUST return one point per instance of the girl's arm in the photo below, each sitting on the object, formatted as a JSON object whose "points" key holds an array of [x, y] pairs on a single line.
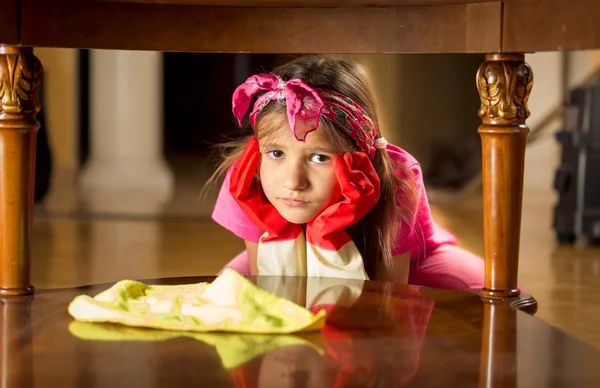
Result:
{"points": [[396, 273], [251, 248]]}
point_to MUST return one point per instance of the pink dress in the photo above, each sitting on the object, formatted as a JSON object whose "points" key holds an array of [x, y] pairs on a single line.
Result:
{"points": [[436, 261]]}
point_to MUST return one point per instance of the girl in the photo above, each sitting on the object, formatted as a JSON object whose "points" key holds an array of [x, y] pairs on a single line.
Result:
{"points": [[315, 190]]}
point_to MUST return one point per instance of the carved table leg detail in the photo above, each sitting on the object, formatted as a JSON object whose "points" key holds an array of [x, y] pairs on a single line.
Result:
{"points": [[504, 82], [20, 78]]}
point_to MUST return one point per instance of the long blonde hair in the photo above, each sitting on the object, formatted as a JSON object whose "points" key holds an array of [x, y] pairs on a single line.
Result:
{"points": [[376, 233]]}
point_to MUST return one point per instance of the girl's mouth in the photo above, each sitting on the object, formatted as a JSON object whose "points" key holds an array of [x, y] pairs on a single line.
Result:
{"points": [[294, 202]]}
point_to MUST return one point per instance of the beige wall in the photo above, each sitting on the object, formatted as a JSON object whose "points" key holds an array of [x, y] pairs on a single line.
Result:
{"points": [[383, 71], [424, 98], [61, 104], [541, 157]]}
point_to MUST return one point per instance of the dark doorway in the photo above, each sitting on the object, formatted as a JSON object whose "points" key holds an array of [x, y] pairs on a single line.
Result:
{"points": [[197, 95]]}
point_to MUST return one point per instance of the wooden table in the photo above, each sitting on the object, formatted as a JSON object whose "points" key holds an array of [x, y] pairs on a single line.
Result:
{"points": [[392, 335], [502, 29]]}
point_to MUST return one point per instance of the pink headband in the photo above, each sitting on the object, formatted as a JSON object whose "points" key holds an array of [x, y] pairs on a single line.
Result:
{"points": [[306, 103]]}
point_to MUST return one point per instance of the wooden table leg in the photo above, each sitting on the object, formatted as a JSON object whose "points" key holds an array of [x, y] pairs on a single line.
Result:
{"points": [[504, 82], [20, 78]]}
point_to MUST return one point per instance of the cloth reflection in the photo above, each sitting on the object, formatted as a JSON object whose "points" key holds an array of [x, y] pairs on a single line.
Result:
{"points": [[233, 349]]}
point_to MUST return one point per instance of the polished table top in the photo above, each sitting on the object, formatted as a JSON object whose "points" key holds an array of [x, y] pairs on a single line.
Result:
{"points": [[392, 335], [304, 26]]}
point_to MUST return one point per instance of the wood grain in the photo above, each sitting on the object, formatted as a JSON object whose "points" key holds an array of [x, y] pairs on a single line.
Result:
{"points": [[392, 335], [550, 25], [20, 79], [302, 3], [9, 21], [498, 350], [483, 26], [109, 25]]}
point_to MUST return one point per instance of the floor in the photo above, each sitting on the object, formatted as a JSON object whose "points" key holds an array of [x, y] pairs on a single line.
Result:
{"points": [[75, 246]]}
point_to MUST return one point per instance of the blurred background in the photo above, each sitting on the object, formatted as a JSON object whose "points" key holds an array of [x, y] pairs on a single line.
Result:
{"points": [[126, 145]]}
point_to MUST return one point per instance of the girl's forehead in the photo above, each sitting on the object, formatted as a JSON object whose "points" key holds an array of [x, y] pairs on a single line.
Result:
{"points": [[282, 135]]}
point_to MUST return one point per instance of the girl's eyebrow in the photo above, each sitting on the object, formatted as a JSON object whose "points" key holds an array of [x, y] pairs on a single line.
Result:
{"points": [[272, 145], [323, 150]]}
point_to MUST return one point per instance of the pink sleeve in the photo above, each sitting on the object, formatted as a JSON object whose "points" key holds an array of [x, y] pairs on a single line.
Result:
{"points": [[416, 232], [230, 215]]}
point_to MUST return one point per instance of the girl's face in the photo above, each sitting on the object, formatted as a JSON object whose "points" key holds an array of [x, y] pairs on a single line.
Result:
{"points": [[297, 177]]}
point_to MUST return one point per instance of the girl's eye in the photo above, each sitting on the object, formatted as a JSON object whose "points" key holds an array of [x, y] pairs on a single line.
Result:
{"points": [[319, 158], [275, 154]]}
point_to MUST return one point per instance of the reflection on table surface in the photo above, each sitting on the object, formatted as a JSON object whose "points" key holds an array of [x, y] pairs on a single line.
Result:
{"points": [[377, 334]]}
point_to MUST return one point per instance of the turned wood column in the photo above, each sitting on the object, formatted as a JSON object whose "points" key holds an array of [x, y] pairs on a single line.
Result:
{"points": [[504, 82], [20, 78]]}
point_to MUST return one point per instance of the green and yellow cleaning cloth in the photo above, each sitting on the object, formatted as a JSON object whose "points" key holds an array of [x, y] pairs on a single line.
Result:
{"points": [[231, 303]]}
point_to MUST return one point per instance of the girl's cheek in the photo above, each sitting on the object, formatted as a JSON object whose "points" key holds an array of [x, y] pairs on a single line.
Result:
{"points": [[326, 173], [261, 167], [270, 168], [266, 162], [322, 172]]}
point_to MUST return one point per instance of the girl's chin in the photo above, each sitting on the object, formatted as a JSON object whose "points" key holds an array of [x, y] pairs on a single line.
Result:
{"points": [[299, 221], [298, 218]]}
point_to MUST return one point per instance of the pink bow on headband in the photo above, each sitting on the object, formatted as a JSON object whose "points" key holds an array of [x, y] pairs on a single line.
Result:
{"points": [[301, 100]]}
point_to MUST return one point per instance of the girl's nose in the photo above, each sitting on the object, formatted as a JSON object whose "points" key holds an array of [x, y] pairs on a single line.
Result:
{"points": [[295, 178]]}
